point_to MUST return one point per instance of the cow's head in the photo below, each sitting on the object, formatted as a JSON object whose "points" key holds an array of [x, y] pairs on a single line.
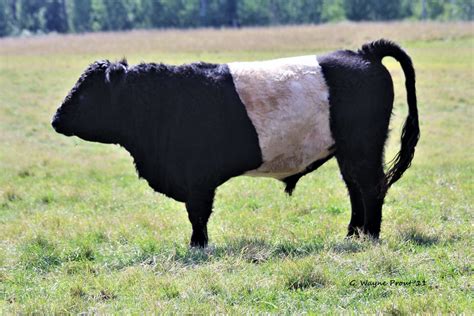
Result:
{"points": [[91, 110]]}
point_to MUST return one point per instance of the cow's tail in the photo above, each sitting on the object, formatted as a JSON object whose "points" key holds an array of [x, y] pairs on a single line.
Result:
{"points": [[376, 51]]}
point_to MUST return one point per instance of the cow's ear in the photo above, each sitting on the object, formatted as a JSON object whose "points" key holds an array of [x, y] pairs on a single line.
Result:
{"points": [[115, 73]]}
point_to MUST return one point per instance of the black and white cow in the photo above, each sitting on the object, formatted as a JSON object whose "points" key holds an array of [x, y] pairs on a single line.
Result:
{"points": [[190, 128]]}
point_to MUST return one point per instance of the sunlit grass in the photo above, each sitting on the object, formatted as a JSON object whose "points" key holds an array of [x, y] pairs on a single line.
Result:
{"points": [[80, 233]]}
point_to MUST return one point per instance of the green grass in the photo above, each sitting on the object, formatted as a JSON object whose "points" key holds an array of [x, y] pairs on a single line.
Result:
{"points": [[80, 233]]}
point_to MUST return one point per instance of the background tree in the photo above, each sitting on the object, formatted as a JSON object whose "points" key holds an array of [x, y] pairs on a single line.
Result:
{"points": [[434, 8], [253, 12], [31, 14], [82, 15], [110, 15], [117, 15], [308, 11], [386, 10], [464, 10], [358, 10], [219, 13], [4, 29], [99, 21], [56, 16]]}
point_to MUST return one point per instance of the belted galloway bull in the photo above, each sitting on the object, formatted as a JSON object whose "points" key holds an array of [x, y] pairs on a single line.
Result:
{"points": [[192, 127]]}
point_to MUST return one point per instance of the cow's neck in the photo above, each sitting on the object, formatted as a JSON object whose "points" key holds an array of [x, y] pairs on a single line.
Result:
{"points": [[144, 150]]}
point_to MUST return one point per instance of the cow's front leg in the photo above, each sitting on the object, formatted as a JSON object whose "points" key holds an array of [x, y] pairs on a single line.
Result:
{"points": [[199, 208]]}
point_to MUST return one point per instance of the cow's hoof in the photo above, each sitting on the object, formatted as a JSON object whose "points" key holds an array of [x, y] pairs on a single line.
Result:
{"points": [[198, 244], [353, 232], [194, 246], [373, 235]]}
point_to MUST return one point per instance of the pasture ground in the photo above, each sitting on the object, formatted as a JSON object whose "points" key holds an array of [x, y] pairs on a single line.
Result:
{"points": [[80, 233]]}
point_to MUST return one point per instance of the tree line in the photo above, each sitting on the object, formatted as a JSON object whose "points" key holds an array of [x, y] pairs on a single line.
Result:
{"points": [[76, 16]]}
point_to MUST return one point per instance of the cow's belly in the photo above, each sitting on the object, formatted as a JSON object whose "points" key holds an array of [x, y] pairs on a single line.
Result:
{"points": [[287, 101]]}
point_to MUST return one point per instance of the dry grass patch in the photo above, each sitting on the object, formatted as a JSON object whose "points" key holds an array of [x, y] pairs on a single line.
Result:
{"points": [[277, 39]]}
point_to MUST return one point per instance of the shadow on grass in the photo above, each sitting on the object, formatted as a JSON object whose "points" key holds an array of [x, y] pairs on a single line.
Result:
{"points": [[42, 255], [354, 244], [349, 246], [89, 251], [248, 249], [419, 237]]}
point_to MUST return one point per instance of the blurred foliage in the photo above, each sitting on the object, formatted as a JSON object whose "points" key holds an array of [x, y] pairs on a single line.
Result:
{"points": [[64, 16]]}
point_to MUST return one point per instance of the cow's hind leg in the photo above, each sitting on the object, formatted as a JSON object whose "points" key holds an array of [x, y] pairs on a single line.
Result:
{"points": [[361, 99], [199, 207], [371, 182], [360, 127], [360, 139], [373, 201], [364, 178], [357, 205]]}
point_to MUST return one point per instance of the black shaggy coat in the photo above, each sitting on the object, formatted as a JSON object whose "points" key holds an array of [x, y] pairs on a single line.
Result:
{"points": [[188, 130], [183, 146]]}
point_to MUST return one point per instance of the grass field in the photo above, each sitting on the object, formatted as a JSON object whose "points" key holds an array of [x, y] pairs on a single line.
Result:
{"points": [[80, 233]]}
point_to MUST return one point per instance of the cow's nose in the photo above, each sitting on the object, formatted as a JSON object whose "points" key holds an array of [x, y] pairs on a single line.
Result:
{"points": [[55, 122]]}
